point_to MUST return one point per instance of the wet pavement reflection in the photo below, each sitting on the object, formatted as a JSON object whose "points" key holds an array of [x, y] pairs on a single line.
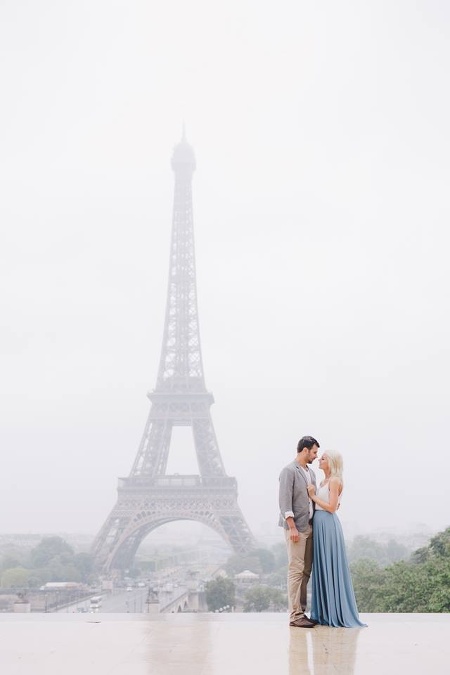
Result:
{"points": [[211, 644]]}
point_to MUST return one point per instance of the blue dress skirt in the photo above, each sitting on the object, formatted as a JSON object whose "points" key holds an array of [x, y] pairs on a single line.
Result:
{"points": [[333, 599]]}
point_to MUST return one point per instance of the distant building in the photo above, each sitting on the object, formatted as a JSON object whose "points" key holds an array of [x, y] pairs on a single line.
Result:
{"points": [[246, 578], [61, 586]]}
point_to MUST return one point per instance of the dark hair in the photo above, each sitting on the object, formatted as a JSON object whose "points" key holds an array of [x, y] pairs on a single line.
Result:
{"points": [[306, 442]]}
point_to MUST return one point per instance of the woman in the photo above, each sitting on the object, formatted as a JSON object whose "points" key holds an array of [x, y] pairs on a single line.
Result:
{"points": [[333, 599]]}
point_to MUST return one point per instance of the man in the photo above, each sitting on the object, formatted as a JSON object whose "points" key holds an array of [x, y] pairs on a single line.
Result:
{"points": [[296, 512]]}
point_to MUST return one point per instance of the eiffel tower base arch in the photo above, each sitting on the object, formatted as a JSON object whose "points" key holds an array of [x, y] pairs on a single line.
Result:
{"points": [[139, 512]]}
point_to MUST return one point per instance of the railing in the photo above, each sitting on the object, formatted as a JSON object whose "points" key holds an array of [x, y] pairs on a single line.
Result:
{"points": [[174, 601], [177, 481]]}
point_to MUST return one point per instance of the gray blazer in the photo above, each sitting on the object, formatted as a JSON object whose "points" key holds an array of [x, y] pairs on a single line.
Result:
{"points": [[293, 495]]}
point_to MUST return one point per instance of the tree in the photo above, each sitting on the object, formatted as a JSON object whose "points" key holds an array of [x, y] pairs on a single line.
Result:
{"points": [[259, 561], [364, 548], [280, 554], [420, 585], [262, 598], [266, 559], [15, 577], [238, 563], [220, 593], [368, 580], [84, 563], [396, 551], [438, 575], [53, 559], [278, 601], [9, 561], [61, 568], [48, 549], [257, 599], [440, 544], [277, 579]]}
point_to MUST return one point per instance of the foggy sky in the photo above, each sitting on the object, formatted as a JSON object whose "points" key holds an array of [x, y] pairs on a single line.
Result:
{"points": [[321, 222]]}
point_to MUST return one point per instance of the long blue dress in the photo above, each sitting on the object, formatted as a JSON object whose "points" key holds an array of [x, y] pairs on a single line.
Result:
{"points": [[333, 599]]}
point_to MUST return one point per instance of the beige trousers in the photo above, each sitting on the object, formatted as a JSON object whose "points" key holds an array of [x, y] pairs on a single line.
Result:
{"points": [[300, 555]]}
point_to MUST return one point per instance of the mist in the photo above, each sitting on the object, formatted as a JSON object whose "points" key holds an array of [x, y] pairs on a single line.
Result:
{"points": [[321, 224]]}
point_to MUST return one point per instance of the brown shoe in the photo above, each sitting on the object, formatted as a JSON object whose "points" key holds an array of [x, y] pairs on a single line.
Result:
{"points": [[312, 620], [303, 622]]}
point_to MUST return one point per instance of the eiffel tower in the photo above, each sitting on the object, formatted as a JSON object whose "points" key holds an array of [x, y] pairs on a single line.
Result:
{"points": [[150, 497]]}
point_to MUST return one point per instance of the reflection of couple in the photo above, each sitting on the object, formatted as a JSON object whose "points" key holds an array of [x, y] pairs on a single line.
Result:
{"points": [[323, 652], [303, 507]]}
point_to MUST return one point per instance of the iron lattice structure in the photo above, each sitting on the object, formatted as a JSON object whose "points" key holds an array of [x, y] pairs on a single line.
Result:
{"points": [[148, 497]]}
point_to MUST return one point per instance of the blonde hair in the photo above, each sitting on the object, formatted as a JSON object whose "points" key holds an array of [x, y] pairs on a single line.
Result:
{"points": [[336, 463]]}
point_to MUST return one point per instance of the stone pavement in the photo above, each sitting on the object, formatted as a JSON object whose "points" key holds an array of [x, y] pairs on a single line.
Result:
{"points": [[220, 644]]}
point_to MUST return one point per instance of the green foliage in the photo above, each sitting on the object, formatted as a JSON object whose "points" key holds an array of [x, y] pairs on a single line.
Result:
{"points": [[421, 555], [368, 580], [15, 577], [396, 552], [277, 579], [262, 598], [266, 559], [9, 561], [62, 568], [35, 580], [49, 549], [420, 585], [259, 561], [365, 548], [280, 554], [440, 545], [219, 593], [84, 563], [51, 560], [439, 589]]}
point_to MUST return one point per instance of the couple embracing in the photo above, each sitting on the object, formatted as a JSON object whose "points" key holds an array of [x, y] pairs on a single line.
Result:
{"points": [[305, 508]]}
